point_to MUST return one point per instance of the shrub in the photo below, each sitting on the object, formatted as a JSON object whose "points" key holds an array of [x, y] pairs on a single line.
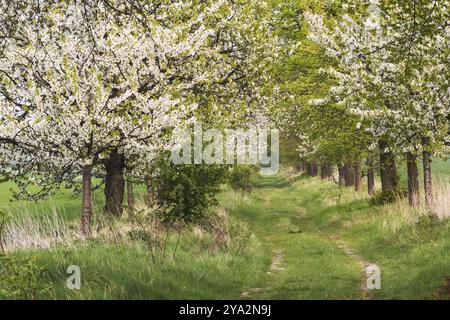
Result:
{"points": [[427, 220], [240, 178], [381, 198], [147, 228], [20, 278], [186, 192]]}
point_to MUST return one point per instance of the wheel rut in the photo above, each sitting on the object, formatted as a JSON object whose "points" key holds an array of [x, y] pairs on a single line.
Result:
{"points": [[364, 264]]}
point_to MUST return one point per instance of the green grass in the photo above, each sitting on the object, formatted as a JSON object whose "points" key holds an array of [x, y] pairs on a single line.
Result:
{"points": [[313, 267], [121, 271], [293, 220], [441, 167], [64, 202]]}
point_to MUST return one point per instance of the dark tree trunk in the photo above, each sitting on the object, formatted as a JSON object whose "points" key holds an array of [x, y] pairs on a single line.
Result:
{"points": [[341, 172], [314, 169], [388, 169], [114, 184], [349, 175], [303, 166], [150, 193], [427, 183], [86, 211], [370, 177], [308, 169], [413, 179], [325, 170], [330, 171], [358, 175], [130, 195], [299, 167]]}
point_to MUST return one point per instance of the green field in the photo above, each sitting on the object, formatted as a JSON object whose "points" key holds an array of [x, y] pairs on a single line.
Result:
{"points": [[302, 230], [440, 168]]}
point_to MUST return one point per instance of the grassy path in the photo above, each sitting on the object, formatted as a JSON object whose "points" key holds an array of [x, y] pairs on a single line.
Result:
{"points": [[320, 240], [305, 263], [311, 240]]}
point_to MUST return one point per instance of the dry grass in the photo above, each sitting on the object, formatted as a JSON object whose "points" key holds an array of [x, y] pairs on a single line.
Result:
{"points": [[30, 231], [441, 203], [395, 215], [231, 199], [43, 230], [400, 213]]}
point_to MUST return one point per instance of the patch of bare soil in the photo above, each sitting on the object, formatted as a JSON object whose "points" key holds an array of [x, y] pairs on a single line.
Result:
{"points": [[275, 266], [364, 264]]}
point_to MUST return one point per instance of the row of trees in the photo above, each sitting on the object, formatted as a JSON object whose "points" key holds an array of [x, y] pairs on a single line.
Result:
{"points": [[94, 89], [374, 84]]}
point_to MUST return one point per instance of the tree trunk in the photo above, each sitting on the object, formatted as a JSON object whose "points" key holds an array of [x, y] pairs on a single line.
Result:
{"points": [[325, 170], [370, 177], [114, 184], [309, 169], [86, 190], [150, 193], [341, 171], [330, 171], [413, 179], [130, 195], [388, 169], [314, 169], [358, 175], [427, 183], [303, 166], [349, 175], [322, 170]]}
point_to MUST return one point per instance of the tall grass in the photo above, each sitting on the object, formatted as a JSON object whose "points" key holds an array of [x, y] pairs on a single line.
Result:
{"points": [[30, 230], [124, 259], [441, 203], [43, 231], [400, 213]]}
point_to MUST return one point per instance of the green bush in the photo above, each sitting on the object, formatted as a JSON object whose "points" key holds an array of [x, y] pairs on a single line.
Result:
{"points": [[428, 220], [186, 192], [20, 278], [240, 178], [381, 198]]}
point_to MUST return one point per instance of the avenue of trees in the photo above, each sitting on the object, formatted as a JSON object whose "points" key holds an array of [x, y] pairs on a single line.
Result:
{"points": [[95, 89], [372, 90]]}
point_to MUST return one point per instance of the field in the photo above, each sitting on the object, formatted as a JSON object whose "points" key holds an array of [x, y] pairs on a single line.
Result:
{"points": [[293, 237]]}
